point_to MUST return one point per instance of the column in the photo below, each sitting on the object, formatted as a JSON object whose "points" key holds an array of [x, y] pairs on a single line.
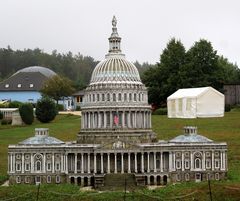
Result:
{"points": [[105, 120], [123, 119], [128, 119], [204, 161], [150, 120], [129, 162], [142, 161], [53, 163], [62, 163], [14, 166], [213, 160], [115, 163], [89, 163], [174, 161], [75, 163], [135, 155], [135, 119], [148, 164], [44, 162], [108, 159], [154, 162], [122, 163], [161, 161], [22, 163], [111, 119], [82, 120], [182, 161], [11, 162], [192, 162], [102, 163], [95, 163], [224, 161], [170, 161], [99, 120], [89, 125], [82, 163], [66, 162]]}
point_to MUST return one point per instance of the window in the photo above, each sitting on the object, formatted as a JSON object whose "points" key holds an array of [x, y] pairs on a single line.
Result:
{"points": [[178, 164], [98, 97], [186, 164], [18, 166], [18, 179], [58, 180], [93, 98], [130, 97], [217, 176], [119, 97], [139, 97], [48, 166], [78, 99], [125, 97], [108, 97], [114, 97], [6, 85], [31, 85], [27, 180], [178, 177], [198, 164], [217, 163], [103, 97], [135, 97], [49, 179], [27, 166], [187, 177], [38, 180], [38, 166], [208, 163], [19, 85], [198, 177], [57, 166]]}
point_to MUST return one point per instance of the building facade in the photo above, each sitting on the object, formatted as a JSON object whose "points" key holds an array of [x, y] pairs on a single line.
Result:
{"points": [[116, 138]]}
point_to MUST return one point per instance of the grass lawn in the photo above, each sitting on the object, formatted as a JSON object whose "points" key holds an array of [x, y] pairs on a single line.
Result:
{"points": [[65, 127]]}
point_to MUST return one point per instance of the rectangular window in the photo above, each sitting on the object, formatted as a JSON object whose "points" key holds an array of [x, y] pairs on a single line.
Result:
{"points": [[78, 99], [178, 177], [18, 167], [27, 166], [18, 180], [58, 180], [57, 166], [208, 163], [217, 164], [187, 177], [27, 180], [49, 179], [178, 164], [186, 164], [49, 167], [217, 176]]}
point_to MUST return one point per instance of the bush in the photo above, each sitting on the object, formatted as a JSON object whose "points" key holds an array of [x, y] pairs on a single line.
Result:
{"points": [[3, 106], [227, 108], [26, 113], [6, 121], [60, 107], [160, 111], [46, 110], [14, 104], [1, 115], [78, 108]]}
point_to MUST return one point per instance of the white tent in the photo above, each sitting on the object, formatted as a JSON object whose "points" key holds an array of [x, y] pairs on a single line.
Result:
{"points": [[196, 102]]}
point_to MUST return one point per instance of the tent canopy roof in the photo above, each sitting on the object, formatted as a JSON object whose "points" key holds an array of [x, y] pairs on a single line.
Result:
{"points": [[191, 92]]}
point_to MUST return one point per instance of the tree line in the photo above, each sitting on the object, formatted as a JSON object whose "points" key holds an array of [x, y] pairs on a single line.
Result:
{"points": [[200, 66]]}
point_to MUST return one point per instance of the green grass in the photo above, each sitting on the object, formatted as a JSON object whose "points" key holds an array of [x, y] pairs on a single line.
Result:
{"points": [[65, 127]]}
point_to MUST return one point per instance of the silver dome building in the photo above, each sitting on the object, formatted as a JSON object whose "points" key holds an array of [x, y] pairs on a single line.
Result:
{"points": [[115, 102], [116, 141]]}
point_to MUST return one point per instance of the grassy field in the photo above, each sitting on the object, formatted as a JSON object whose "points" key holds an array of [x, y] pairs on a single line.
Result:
{"points": [[65, 127]]}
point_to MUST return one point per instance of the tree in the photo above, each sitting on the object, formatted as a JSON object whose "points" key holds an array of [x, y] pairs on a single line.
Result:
{"points": [[46, 110], [166, 77], [26, 113], [57, 87]]}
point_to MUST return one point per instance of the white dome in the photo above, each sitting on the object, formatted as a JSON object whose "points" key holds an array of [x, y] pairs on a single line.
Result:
{"points": [[115, 70]]}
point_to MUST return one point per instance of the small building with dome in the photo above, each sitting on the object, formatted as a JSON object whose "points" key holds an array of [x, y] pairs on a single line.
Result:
{"points": [[25, 84], [116, 138]]}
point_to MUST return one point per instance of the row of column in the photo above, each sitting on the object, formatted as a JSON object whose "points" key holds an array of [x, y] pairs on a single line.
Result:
{"points": [[113, 119]]}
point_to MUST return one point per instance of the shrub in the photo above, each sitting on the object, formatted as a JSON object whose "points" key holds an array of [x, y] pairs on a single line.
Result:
{"points": [[14, 104], [26, 113], [46, 110], [6, 121], [3, 106], [78, 108], [60, 107], [227, 108], [1, 115], [160, 111]]}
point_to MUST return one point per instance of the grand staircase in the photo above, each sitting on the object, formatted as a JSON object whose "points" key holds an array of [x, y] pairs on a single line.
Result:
{"points": [[119, 182]]}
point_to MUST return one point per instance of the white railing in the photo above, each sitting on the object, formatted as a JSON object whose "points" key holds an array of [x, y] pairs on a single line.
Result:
{"points": [[7, 112]]}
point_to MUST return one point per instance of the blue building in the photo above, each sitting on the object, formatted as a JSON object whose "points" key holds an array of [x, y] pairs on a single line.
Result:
{"points": [[25, 84]]}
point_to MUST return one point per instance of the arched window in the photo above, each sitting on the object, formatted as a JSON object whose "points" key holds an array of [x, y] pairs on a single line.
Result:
{"points": [[198, 164], [114, 97], [97, 97], [135, 97], [93, 97], [108, 97], [125, 97], [130, 97], [38, 166], [103, 97], [119, 97]]}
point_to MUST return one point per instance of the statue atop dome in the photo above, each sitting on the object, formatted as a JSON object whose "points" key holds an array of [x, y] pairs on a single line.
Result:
{"points": [[114, 21]]}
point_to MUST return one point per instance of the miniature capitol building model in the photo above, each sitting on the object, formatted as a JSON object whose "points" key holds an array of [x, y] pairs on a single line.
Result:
{"points": [[116, 138]]}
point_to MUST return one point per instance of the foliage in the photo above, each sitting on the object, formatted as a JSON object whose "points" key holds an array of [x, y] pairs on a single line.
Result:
{"points": [[14, 104], [78, 108], [60, 107], [57, 87], [227, 108], [26, 113], [1, 115], [46, 110], [160, 111], [198, 67]]}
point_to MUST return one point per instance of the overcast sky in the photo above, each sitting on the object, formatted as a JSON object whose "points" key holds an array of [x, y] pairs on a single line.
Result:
{"points": [[144, 25]]}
